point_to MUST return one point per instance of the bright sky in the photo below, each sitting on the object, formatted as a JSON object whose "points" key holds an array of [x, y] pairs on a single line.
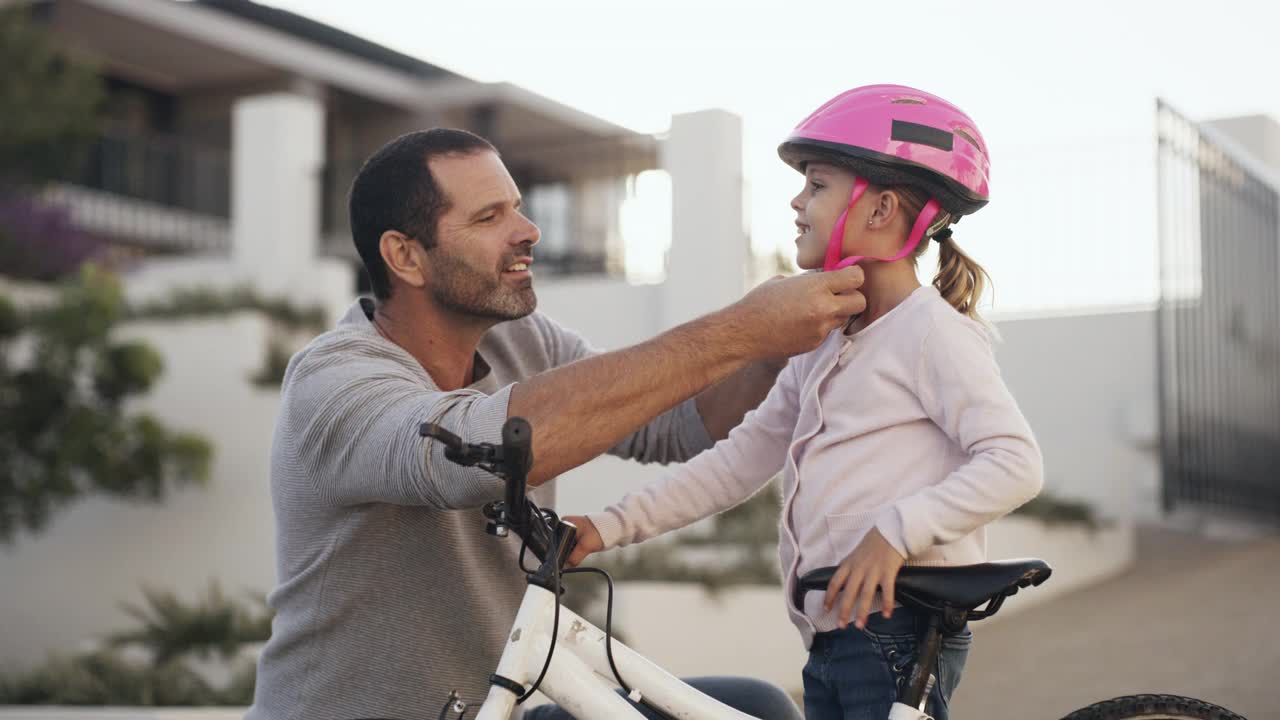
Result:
{"points": [[1065, 97]]}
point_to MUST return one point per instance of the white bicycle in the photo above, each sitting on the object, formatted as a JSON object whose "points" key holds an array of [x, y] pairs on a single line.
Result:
{"points": [[554, 650]]}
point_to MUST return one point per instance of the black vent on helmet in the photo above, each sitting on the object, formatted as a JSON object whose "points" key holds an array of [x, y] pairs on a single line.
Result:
{"points": [[922, 135]]}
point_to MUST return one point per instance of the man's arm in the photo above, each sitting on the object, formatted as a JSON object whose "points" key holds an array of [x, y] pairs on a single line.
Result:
{"points": [[351, 426], [691, 426], [580, 410]]}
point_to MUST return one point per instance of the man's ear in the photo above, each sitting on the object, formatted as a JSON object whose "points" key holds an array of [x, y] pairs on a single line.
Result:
{"points": [[404, 257]]}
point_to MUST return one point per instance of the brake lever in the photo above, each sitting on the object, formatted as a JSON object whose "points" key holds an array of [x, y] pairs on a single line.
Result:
{"points": [[486, 455], [437, 432]]}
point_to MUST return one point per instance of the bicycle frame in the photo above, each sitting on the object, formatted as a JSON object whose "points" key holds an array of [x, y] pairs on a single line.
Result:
{"points": [[579, 678]]}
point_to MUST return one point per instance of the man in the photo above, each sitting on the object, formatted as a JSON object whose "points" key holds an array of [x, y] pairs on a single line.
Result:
{"points": [[390, 593]]}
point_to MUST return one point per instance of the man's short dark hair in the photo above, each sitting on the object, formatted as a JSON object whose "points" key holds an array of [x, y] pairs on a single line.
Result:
{"points": [[395, 190]]}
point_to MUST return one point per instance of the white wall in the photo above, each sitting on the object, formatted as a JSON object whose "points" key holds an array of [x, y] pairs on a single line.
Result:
{"points": [[64, 586], [606, 310], [1087, 384], [327, 283]]}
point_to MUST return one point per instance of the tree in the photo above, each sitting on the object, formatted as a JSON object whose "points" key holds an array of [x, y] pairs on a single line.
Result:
{"points": [[64, 382], [50, 103], [49, 122], [215, 625], [64, 431]]}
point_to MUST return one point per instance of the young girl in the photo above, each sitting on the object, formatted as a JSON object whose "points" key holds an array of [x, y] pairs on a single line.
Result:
{"points": [[897, 439]]}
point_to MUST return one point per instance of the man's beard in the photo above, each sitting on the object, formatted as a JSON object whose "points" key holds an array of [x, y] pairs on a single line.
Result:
{"points": [[465, 290]]}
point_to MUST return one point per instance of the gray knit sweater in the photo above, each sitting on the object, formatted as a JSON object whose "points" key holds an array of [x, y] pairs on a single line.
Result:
{"points": [[390, 592]]}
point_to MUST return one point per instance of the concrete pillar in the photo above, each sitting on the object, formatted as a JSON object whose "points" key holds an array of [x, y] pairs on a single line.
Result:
{"points": [[710, 253], [277, 155], [596, 205]]}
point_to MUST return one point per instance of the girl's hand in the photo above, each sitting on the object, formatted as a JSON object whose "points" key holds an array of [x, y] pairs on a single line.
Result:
{"points": [[589, 540], [873, 564]]}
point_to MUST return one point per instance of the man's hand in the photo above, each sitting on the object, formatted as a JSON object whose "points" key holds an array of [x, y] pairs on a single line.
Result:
{"points": [[589, 540], [791, 315], [873, 564], [723, 405]]}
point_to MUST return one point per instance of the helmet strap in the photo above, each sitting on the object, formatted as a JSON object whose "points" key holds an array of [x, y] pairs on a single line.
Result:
{"points": [[836, 246]]}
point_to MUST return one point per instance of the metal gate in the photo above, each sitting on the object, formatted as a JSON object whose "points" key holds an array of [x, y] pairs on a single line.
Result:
{"points": [[1219, 322]]}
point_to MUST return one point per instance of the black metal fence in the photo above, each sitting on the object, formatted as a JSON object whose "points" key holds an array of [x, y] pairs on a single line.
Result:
{"points": [[1219, 324], [171, 172], [127, 196]]}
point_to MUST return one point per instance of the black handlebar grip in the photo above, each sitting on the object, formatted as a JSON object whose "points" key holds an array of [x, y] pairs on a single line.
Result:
{"points": [[517, 445]]}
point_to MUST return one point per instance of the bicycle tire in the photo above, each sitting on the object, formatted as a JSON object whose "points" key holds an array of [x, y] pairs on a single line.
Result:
{"points": [[1153, 707]]}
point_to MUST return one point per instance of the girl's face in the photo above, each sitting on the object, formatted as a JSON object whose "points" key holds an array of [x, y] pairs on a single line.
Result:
{"points": [[826, 193]]}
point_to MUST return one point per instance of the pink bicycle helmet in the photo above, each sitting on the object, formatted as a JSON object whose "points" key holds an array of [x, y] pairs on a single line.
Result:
{"points": [[896, 135]]}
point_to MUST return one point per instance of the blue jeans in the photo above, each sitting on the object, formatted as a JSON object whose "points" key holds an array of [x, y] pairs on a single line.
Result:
{"points": [[753, 697], [855, 674]]}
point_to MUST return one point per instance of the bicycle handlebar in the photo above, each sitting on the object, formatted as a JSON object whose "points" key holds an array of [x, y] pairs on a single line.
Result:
{"points": [[510, 461], [551, 539]]}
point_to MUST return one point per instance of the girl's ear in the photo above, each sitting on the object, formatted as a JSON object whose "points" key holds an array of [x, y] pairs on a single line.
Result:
{"points": [[885, 209]]}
